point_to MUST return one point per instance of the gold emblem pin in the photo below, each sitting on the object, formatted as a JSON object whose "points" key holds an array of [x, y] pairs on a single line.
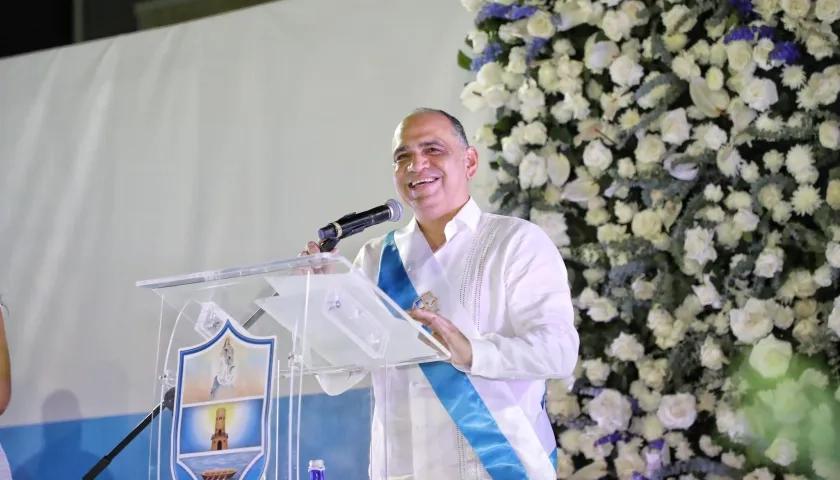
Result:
{"points": [[428, 302]]}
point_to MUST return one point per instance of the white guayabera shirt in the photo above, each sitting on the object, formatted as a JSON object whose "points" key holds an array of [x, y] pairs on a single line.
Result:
{"points": [[512, 282]]}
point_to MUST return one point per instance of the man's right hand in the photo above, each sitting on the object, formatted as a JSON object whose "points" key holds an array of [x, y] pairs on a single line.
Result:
{"points": [[312, 249]]}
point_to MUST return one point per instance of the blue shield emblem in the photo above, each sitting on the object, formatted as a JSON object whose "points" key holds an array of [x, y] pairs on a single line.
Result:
{"points": [[220, 424]]}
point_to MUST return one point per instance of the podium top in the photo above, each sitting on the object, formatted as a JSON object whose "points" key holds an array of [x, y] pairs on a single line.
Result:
{"points": [[326, 313], [320, 260]]}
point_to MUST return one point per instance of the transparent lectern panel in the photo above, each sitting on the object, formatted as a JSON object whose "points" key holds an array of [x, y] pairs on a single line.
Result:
{"points": [[326, 319]]}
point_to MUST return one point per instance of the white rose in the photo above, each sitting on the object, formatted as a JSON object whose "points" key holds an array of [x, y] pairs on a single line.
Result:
{"points": [[751, 322], [746, 220], [479, 40], [581, 190], [760, 94], [600, 55], [596, 371], [646, 224], [625, 72], [570, 440], [472, 97], [714, 137], [782, 451], [496, 96], [818, 47], [675, 127], [535, 133], [827, 11], [616, 25], [711, 356], [626, 348], [602, 310], [710, 103], [624, 211], [829, 132], [565, 465], [486, 136], [769, 262], [679, 13], [540, 25], [739, 55], [651, 428], [490, 74], [832, 194], [714, 78], [796, 8], [532, 172], [761, 53], [832, 254], [473, 6], [597, 157], [707, 294], [699, 245], [649, 150], [677, 412], [643, 289], [626, 168], [770, 357], [611, 411], [653, 372], [553, 224], [834, 324]]}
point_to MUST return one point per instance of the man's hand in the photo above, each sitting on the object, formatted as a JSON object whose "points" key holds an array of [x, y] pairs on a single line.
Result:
{"points": [[446, 333], [312, 249]]}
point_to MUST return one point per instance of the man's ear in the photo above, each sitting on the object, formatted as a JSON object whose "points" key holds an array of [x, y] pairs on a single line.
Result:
{"points": [[471, 162]]}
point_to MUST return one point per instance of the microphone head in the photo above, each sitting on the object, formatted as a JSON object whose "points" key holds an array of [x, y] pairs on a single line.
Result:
{"points": [[396, 210]]}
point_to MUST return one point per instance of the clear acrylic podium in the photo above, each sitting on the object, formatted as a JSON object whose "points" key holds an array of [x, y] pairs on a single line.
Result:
{"points": [[329, 321]]}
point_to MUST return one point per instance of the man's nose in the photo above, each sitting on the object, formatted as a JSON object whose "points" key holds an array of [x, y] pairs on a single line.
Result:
{"points": [[418, 163]]}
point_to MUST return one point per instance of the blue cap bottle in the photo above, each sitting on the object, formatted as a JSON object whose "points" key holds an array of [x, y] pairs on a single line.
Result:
{"points": [[317, 470]]}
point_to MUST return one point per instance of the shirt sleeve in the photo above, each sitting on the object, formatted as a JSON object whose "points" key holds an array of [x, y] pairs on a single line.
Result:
{"points": [[544, 344]]}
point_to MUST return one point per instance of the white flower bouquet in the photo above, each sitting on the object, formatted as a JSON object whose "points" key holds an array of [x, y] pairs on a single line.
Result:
{"points": [[683, 155]]}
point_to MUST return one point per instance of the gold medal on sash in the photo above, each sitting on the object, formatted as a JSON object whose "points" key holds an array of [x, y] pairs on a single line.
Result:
{"points": [[427, 302]]}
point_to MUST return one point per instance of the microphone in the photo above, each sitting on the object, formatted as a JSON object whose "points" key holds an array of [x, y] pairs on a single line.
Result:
{"points": [[353, 223]]}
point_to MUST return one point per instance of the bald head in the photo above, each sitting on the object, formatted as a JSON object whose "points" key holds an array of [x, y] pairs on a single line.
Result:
{"points": [[433, 164], [457, 127]]}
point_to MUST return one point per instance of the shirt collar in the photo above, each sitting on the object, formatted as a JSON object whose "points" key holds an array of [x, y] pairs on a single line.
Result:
{"points": [[468, 216]]}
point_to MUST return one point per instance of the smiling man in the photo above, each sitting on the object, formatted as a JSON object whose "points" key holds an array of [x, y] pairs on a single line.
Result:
{"points": [[502, 308]]}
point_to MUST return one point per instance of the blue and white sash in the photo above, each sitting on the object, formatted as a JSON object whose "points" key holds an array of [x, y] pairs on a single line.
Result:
{"points": [[485, 411]]}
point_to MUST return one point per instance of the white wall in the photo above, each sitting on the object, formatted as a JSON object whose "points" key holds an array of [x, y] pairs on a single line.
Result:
{"points": [[217, 143]]}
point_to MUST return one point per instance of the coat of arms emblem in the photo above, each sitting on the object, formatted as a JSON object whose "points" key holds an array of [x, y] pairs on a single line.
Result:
{"points": [[220, 425]]}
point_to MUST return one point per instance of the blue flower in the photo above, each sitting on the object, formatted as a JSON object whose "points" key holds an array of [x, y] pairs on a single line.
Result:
{"points": [[488, 55], [535, 47], [787, 52], [744, 7], [766, 31], [506, 12], [740, 33], [750, 33]]}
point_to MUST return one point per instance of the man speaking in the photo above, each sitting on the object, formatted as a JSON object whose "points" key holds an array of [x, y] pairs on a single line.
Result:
{"points": [[504, 312]]}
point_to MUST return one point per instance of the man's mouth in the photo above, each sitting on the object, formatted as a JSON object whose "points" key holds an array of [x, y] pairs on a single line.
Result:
{"points": [[421, 182]]}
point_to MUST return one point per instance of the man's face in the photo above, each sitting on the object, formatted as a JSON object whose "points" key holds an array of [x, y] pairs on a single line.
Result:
{"points": [[431, 167]]}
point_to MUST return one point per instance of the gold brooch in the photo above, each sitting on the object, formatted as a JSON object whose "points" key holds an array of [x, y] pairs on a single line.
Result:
{"points": [[428, 302]]}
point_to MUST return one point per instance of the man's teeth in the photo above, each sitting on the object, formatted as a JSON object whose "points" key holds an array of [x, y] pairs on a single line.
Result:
{"points": [[421, 182]]}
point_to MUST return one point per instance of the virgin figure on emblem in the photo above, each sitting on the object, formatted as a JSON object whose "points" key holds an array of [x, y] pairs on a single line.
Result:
{"points": [[225, 369]]}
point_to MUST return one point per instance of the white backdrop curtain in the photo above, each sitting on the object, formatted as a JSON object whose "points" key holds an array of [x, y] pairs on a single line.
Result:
{"points": [[215, 143]]}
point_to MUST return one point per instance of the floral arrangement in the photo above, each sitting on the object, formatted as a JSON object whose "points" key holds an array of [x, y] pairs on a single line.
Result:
{"points": [[683, 155]]}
